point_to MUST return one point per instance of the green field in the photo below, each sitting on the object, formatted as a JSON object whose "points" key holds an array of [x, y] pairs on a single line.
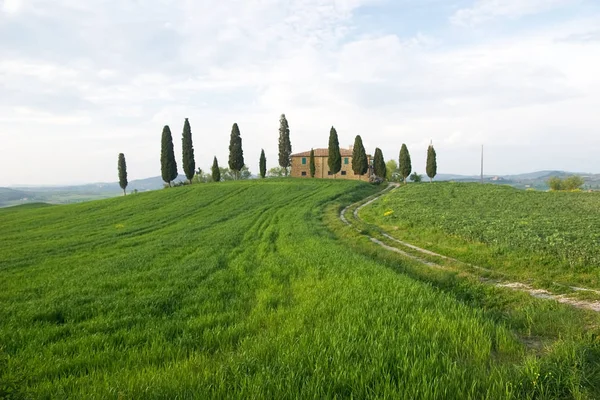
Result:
{"points": [[256, 290], [527, 235]]}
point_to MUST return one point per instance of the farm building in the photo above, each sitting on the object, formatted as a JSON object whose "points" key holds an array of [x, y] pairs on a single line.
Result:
{"points": [[301, 165]]}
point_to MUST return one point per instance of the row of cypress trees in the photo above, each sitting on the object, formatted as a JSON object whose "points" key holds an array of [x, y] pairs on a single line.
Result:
{"points": [[360, 163], [405, 164], [236, 155]]}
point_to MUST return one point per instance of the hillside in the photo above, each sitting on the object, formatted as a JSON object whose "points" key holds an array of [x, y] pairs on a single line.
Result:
{"points": [[76, 193], [533, 180], [8, 195], [240, 290], [531, 235], [94, 191]]}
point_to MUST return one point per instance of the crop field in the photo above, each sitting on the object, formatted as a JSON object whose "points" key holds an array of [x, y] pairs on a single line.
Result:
{"points": [[245, 290], [544, 236]]}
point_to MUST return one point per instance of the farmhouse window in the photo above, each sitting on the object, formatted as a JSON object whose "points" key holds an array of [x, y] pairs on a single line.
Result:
{"points": [[303, 160], [303, 173], [344, 172], [345, 162]]}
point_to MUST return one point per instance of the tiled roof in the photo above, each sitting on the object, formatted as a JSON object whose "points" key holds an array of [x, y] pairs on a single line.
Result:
{"points": [[323, 153]]}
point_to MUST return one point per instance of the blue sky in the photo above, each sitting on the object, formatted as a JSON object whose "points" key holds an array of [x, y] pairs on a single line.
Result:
{"points": [[83, 81]]}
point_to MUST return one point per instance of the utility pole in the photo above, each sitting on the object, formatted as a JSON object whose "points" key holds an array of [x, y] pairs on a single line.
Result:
{"points": [[481, 164]]}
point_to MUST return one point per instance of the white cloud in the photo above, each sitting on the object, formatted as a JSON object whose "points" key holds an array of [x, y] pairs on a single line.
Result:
{"points": [[11, 6], [484, 10]]}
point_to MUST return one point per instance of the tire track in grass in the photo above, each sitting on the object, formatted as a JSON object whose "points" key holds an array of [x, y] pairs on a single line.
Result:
{"points": [[518, 286]]}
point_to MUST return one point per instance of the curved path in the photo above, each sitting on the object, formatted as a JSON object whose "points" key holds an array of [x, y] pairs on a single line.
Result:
{"points": [[418, 254]]}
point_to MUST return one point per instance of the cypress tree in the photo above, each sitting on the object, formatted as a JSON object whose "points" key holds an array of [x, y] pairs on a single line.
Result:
{"points": [[189, 164], [404, 162], [379, 168], [312, 163], [216, 172], [123, 173], [360, 164], [167, 157], [334, 161], [431, 168], [285, 146], [263, 164], [236, 154]]}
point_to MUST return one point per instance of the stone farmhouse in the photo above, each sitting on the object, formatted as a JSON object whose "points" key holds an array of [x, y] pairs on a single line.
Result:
{"points": [[301, 165]]}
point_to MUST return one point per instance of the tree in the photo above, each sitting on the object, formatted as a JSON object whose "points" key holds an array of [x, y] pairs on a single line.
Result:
{"points": [[311, 163], [262, 164], [285, 146], [573, 182], [360, 163], [216, 172], [167, 157], [123, 173], [202, 177], [555, 183], [391, 171], [276, 172], [431, 168], [189, 164], [404, 165], [416, 177], [236, 154], [334, 161], [379, 164]]}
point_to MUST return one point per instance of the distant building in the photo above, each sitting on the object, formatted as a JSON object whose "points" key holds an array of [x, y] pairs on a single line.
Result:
{"points": [[301, 165]]}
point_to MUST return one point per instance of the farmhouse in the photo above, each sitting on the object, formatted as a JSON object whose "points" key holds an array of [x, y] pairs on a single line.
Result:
{"points": [[301, 165]]}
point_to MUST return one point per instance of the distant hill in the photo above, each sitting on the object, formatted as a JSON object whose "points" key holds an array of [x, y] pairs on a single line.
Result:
{"points": [[7, 194], [534, 180], [76, 193], [94, 191]]}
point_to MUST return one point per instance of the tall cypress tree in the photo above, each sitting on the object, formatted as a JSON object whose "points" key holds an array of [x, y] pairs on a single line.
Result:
{"points": [[236, 154], [167, 157], [216, 172], [123, 173], [360, 164], [334, 161], [431, 167], [311, 163], [189, 164], [262, 164], [285, 145], [379, 168], [404, 164]]}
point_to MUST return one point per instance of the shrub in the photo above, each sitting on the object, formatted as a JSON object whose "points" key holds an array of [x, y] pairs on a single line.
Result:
{"points": [[571, 183], [416, 177]]}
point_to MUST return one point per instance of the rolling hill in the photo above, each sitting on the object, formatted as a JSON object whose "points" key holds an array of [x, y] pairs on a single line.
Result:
{"points": [[93, 191], [253, 290]]}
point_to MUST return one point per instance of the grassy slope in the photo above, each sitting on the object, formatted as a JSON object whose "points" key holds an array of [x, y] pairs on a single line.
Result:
{"points": [[539, 236], [239, 290]]}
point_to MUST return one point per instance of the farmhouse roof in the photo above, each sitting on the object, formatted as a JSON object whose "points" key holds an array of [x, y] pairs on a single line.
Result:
{"points": [[323, 153]]}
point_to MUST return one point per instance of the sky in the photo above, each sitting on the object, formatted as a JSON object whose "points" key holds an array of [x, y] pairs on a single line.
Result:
{"points": [[82, 81]]}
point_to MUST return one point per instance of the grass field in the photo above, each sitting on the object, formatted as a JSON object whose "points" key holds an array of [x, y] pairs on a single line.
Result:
{"points": [[243, 290], [540, 236]]}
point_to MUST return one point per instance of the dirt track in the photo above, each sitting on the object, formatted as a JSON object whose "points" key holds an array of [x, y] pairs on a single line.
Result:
{"points": [[397, 248]]}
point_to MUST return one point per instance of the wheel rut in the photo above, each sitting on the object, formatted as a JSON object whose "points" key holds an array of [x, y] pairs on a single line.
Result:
{"points": [[408, 250]]}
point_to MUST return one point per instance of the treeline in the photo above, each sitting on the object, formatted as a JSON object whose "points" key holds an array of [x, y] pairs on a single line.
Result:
{"points": [[237, 168], [401, 171], [380, 170]]}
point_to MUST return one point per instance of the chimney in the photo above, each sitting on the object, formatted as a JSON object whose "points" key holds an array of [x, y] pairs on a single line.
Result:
{"points": [[351, 147]]}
